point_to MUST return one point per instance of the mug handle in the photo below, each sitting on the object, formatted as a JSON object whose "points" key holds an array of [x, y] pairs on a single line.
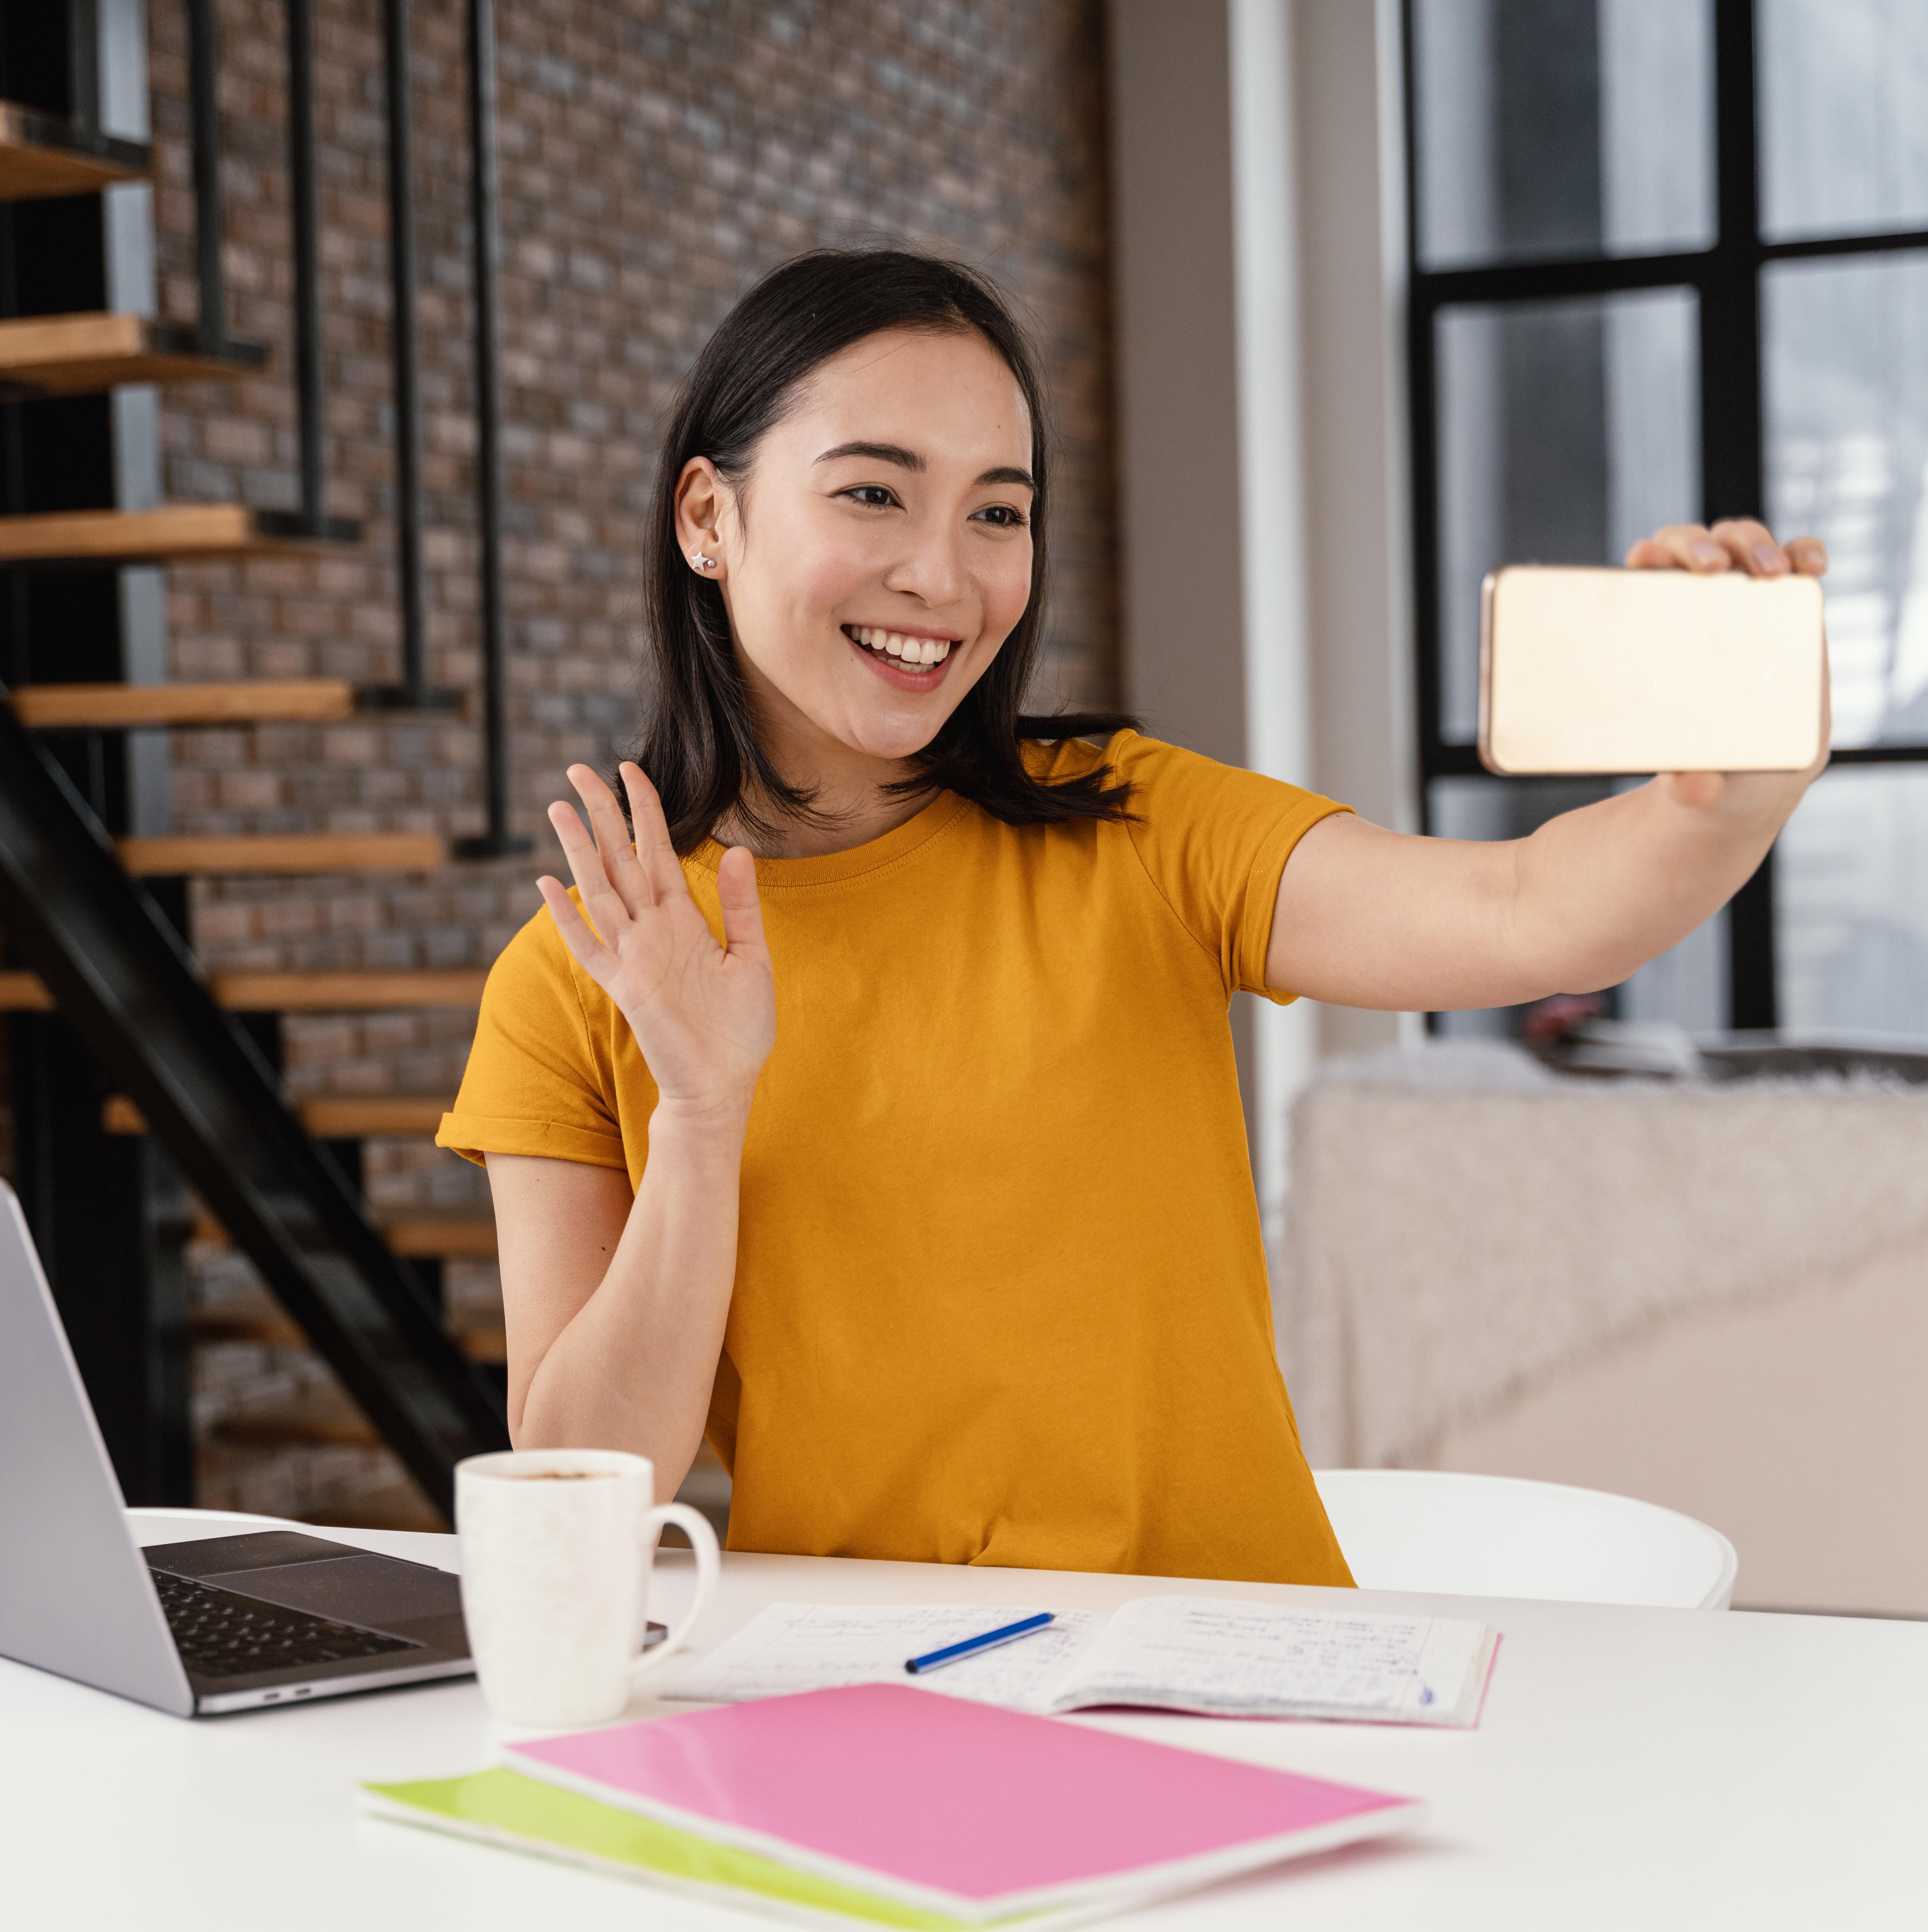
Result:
{"points": [[709, 1571]]}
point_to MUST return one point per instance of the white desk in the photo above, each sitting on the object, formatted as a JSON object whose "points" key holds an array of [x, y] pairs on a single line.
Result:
{"points": [[1634, 1769]]}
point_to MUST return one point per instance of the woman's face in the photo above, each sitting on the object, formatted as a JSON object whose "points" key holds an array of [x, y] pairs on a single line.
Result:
{"points": [[878, 552]]}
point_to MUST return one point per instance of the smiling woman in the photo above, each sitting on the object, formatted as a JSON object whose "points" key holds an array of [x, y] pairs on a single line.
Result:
{"points": [[874, 1113]]}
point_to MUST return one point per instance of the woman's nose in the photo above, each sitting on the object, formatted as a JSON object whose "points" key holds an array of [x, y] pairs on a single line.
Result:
{"points": [[933, 570]]}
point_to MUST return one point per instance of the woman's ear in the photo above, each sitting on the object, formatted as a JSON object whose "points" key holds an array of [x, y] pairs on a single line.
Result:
{"points": [[702, 507]]}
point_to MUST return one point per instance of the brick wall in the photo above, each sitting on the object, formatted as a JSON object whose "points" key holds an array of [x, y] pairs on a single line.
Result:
{"points": [[655, 158]]}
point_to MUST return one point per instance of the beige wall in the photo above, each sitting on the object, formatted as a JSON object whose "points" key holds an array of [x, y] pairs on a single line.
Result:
{"points": [[1181, 629], [1352, 246], [1261, 502]]}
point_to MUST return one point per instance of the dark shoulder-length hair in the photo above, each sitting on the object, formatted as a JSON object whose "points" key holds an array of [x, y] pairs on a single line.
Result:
{"points": [[699, 745]]}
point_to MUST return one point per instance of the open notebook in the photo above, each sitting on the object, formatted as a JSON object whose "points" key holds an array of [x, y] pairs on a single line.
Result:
{"points": [[1211, 1655]]}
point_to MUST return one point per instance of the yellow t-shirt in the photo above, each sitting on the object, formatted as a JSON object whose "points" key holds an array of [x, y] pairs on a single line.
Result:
{"points": [[1001, 1295]]}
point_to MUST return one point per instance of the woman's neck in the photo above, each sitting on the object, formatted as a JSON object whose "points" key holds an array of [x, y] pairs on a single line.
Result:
{"points": [[844, 824], [848, 789]]}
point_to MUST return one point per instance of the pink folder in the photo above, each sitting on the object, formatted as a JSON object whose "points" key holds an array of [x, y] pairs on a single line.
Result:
{"points": [[958, 1806]]}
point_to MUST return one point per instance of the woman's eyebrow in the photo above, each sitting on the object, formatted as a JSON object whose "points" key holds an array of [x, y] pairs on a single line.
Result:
{"points": [[908, 459], [878, 452]]}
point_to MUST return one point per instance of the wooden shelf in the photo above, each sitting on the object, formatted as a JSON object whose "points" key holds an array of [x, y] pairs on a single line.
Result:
{"points": [[348, 992], [345, 1118], [42, 155], [115, 707], [297, 992], [284, 852], [82, 354], [177, 532]]}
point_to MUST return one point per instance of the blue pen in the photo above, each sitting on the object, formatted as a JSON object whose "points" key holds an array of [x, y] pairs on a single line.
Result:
{"points": [[935, 1659]]}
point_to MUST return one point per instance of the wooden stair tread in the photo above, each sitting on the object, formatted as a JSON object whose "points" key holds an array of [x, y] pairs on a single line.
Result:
{"points": [[395, 1506], [284, 852], [181, 532], [24, 993], [320, 1418], [419, 1234], [343, 992], [266, 1327], [332, 1117], [347, 992], [488, 1345], [82, 354], [42, 155], [45, 707], [345, 1117], [260, 1322], [444, 1234]]}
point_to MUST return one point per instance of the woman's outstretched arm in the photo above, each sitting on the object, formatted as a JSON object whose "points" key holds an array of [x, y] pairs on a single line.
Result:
{"points": [[615, 1307], [1366, 917]]}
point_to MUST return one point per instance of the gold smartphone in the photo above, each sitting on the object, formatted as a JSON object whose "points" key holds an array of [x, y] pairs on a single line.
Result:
{"points": [[1615, 671]]}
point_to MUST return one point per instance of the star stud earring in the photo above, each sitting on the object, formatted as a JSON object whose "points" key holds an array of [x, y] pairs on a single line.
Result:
{"points": [[699, 562]]}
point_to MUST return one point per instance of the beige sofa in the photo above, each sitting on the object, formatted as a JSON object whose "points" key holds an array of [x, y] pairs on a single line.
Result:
{"points": [[1712, 1296]]}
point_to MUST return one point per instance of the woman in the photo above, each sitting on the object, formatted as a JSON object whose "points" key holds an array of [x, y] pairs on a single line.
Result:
{"points": [[877, 1115]]}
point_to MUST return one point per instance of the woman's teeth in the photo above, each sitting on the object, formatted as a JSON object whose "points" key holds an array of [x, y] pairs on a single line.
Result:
{"points": [[917, 653]]}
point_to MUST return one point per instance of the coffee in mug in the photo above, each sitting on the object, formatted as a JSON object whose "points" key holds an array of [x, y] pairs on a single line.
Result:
{"points": [[557, 1550]]}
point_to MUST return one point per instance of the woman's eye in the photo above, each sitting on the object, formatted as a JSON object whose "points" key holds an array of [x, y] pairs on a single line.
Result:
{"points": [[1003, 516], [872, 495]]}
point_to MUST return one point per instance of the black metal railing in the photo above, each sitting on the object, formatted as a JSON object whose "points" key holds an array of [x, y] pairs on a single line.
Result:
{"points": [[412, 693], [485, 247], [128, 986]]}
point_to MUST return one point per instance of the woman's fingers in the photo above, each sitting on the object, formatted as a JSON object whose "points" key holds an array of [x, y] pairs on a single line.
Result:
{"points": [[600, 900], [743, 909], [1751, 546], [578, 935], [654, 852], [1735, 542], [1680, 546], [631, 884]]}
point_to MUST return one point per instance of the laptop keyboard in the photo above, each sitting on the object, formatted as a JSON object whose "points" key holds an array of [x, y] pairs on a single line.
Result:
{"points": [[220, 1634]]}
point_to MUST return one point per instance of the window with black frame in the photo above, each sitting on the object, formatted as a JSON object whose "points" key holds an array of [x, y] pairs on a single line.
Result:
{"points": [[1669, 262]]}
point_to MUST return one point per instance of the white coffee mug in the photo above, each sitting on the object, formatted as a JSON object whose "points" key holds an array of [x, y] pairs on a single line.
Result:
{"points": [[556, 1548]]}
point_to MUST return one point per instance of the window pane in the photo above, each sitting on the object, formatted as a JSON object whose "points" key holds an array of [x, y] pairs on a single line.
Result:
{"points": [[1562, 127], [1847, 414], [1844, 115], [1567, 430], [1850, 903]]}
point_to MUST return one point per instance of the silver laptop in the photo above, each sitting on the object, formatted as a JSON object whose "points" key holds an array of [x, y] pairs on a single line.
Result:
{"points": [[230, 1624]]}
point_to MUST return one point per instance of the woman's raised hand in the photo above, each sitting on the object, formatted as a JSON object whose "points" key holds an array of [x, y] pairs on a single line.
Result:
{"points": [[1737, 543], [704, 1015]]}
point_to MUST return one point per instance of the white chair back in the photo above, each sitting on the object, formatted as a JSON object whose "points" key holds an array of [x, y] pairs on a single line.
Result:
{"points": [[1500, 1536]]}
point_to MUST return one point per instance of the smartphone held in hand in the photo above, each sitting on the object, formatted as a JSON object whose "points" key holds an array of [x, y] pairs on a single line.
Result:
{"points": [[1611, 671]]}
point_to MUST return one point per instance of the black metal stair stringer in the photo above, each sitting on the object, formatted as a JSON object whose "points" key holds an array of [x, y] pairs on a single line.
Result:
{"points": [[127, 982]]}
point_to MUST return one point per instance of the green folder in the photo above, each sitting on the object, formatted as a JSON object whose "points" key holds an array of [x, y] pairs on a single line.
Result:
{"points": [[503, 1807]]}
